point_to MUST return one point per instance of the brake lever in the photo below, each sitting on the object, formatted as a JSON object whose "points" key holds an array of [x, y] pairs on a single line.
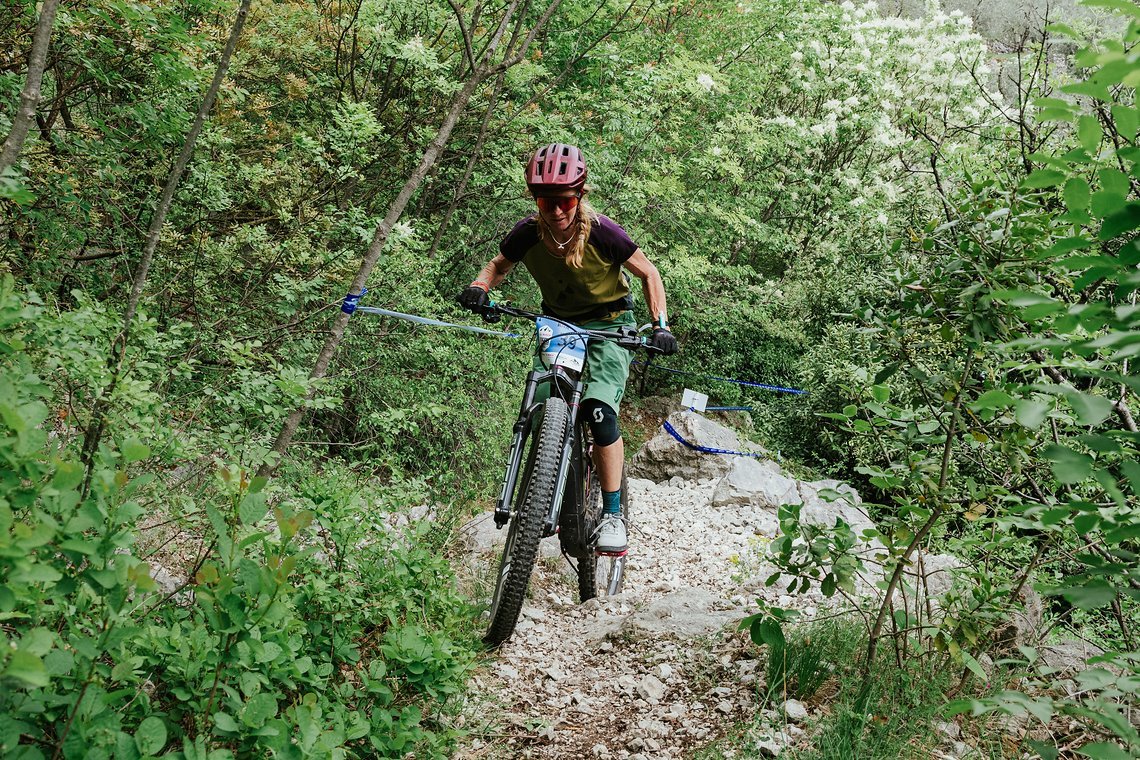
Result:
{"points": [[629, 339]]}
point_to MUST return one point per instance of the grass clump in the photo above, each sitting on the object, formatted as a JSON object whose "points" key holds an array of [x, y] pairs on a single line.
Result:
{"points": [[888, 713], [808, 658]]}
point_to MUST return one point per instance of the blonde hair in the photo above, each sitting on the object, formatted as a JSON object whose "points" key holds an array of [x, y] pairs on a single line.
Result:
{"points": [[585, 222]]}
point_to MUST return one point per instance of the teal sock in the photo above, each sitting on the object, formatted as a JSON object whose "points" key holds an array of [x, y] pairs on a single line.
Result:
{"points": [[611, 502]]}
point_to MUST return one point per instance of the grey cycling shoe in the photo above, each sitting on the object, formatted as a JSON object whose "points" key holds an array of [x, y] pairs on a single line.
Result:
{"points": [[612, 537]]}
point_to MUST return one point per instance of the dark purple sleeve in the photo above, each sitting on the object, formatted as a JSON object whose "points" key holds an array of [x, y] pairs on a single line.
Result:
{"points": [[520, 240], [611, 240]]}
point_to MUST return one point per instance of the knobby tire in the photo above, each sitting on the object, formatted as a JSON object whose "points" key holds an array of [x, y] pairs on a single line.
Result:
{"points": [[601, 575], [587, 520], [576, 521], [534, 495]]}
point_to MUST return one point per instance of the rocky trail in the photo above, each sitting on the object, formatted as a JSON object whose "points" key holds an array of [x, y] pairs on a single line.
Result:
{"points": [[660, 669]]}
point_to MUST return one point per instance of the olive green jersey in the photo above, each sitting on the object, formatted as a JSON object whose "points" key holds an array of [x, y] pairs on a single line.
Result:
{"points": [[580, 293]]}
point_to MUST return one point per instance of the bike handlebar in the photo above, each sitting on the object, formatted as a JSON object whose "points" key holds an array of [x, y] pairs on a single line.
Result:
{"points": [[626, 337]]}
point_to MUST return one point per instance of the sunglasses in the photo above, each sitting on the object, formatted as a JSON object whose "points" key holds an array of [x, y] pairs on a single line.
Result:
{"points": [[548, 203]]}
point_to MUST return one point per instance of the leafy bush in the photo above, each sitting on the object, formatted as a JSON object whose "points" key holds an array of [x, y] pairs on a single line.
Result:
{"points": [[992, 402], [267, 647], [881, 713]]}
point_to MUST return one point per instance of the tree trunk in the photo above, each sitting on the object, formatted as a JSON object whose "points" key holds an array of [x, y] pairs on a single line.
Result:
{"points": [[476, 152], [372, 256], [516, 49], [30, 95], [98, 421]]}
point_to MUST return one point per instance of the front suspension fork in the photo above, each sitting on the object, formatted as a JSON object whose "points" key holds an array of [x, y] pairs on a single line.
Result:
{"points": [[523, 427], [514, 462]]}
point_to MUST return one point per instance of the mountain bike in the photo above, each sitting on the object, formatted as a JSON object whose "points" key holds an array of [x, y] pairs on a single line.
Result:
{"points": [[550, 485]]}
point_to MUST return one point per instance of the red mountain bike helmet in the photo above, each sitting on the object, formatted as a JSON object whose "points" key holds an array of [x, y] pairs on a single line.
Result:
{"points": [[554, 168]]}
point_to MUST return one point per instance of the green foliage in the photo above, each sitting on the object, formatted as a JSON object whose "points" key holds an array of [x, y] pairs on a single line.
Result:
{"points": [[1110, 682], [977, 371], [798, 664], [808, 553], [991, 403], [813, 654], [263, 645], [889, 713]]}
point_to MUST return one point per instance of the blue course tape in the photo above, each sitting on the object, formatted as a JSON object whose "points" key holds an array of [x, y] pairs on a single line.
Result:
{"points": [[728, 409], [351, 300], [726, 379], [705, 449], [433, 322]]}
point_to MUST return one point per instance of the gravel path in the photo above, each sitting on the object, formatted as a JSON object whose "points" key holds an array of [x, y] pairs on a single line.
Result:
{"points": [[652, 673]]}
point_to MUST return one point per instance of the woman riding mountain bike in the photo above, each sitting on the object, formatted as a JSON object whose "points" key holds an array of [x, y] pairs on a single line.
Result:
{"points": [[576, 256]]}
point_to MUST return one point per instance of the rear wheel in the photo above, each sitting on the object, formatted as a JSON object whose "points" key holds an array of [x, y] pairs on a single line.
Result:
{"points": [[574, 527], [601, 575], [533, 496]]}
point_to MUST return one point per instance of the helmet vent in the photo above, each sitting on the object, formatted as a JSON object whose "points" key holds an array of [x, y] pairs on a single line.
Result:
{"points": [[556, 167]]}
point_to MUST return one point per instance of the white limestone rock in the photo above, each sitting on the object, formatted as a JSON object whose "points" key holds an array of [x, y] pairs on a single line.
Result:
{"points": [[651, 689], [664, 457], [756, 483], [685, 613], [795, 711]]}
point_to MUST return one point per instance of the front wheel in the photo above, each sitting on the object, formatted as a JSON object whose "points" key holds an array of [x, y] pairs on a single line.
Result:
{"points": [[533, 497]]}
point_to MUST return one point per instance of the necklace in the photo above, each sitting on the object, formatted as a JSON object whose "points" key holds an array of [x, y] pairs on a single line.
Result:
{"points": [[564, 243]]}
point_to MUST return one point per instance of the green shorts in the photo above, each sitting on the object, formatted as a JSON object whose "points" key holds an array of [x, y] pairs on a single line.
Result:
{"points": [[607, 364]]}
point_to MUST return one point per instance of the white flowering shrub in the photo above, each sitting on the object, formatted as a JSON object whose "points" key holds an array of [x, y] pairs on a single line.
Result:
{"points": [[1011, 22], [827, 153], [864, 98]]}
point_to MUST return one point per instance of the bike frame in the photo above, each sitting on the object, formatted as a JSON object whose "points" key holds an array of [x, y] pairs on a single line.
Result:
{"points": [[558, 344], [561, 463]]}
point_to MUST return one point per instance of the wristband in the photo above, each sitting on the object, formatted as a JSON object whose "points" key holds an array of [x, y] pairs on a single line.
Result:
{"points": [[486, 287]]}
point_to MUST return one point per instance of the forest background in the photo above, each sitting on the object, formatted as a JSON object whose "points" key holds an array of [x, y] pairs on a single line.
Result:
{"points": [[926, 222]]}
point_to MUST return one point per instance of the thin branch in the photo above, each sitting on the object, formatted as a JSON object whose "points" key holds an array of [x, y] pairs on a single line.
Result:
{"points": [[30, 95], [473, 156], [468, 53], [430, 155], [94, 433], [99, 253], [935, 515], [538, 96]]}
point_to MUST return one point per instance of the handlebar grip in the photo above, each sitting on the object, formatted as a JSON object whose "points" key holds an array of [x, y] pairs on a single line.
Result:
{"points": [[633, 343], [650, 348]]}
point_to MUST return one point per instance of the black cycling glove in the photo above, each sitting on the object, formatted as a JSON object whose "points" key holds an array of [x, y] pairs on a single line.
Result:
{"points": [[664, 341], [473, 298]]}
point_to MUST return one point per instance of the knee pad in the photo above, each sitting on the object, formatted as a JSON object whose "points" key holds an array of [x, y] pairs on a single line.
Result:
{"points": [[603, 421]]}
